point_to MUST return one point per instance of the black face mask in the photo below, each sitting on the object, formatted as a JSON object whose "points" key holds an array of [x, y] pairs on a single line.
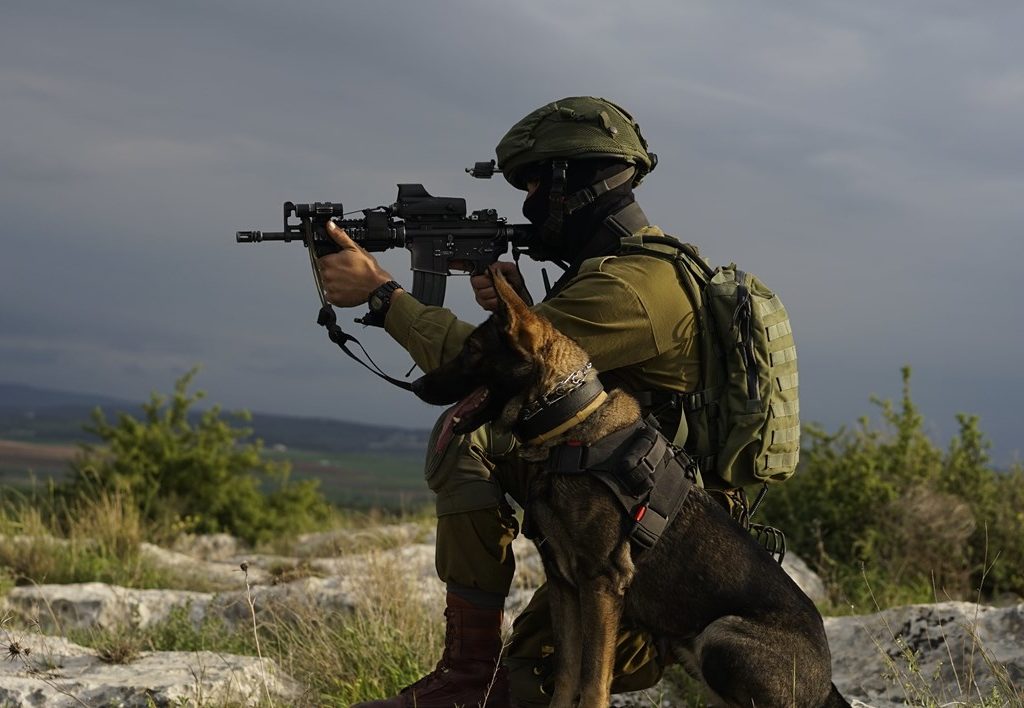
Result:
{"points": [[576, 240], [535, 206]]}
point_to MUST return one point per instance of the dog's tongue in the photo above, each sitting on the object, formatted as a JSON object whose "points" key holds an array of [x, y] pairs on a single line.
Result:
{"points": [[456, 413]]}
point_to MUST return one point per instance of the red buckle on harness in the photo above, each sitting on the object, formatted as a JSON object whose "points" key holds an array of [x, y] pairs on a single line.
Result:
{"points": [[639, 513], [574, 443]]}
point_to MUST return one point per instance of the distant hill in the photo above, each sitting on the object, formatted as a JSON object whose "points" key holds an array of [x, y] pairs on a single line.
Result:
{"points": [[39, 415], [21, 397]]}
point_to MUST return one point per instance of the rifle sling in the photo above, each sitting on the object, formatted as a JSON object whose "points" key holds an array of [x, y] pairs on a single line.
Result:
{"points": [[329, 320]]}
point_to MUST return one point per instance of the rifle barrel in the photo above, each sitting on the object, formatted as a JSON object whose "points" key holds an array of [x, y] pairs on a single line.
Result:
{"points": [[260, 236]]}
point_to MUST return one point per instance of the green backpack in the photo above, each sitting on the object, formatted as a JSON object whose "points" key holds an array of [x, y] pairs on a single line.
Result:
{"points": [[743, 422]]}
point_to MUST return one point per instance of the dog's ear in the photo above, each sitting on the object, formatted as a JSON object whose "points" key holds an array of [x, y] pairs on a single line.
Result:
{"points": [[524, 327]]}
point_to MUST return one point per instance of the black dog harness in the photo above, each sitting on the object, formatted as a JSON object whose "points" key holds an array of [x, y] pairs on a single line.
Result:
{"points": [[648, 476]]}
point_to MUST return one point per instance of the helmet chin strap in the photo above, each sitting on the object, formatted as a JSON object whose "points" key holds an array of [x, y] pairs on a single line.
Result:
{"points": [[561, 206]]}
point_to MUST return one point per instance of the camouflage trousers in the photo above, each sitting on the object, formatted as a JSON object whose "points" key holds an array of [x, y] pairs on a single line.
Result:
{"points": [[470, 476]]}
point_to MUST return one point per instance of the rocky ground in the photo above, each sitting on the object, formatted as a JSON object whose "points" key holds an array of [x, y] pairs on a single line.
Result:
{"points": [[948, 652]]}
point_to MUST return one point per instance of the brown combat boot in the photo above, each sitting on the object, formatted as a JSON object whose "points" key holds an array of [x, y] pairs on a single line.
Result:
{"points": [[468, 674]]}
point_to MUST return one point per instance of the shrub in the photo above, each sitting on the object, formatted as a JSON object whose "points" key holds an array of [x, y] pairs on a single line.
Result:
{"points": [[195, 472], [886, 505]]}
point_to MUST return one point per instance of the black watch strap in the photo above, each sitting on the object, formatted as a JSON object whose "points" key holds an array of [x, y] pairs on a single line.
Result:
{"points": [[380, 299], [379, 302]]}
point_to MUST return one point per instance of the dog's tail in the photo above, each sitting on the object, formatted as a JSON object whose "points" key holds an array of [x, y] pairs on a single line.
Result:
{"points": [[835, 699]]}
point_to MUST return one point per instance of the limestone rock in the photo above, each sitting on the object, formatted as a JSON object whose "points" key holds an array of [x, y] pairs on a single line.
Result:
{"points": [[224, 573], [947, 652], [58, 608], [275, 569], [354, 541], [350, 582], [208, 547], [57, 673], [802, 575]]}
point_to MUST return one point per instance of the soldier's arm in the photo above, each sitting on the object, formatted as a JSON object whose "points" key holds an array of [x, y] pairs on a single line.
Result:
{"points": [[431, 335], [611, 308]]}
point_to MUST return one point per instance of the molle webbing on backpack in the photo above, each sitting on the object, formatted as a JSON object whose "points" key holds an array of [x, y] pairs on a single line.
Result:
{"points": [[743, 422]]}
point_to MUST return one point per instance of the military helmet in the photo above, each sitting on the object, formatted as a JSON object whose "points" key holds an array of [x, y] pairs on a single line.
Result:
{"points": [[579, 127]]}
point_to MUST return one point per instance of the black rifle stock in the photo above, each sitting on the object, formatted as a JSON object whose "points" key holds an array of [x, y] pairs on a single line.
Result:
{"points": [[437, 231]]}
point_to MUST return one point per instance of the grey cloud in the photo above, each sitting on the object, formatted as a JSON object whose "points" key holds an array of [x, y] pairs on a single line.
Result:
{"points": [[858, 156]]}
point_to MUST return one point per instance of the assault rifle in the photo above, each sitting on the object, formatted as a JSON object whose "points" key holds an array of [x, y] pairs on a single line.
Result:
{"points": [[437, 231]]}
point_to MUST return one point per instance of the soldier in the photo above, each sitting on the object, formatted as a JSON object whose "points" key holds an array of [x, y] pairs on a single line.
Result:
{"points": [[578, 161]]}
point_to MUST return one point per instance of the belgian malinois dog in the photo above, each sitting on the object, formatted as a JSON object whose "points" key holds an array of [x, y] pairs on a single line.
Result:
{"points": [[730, 613]]}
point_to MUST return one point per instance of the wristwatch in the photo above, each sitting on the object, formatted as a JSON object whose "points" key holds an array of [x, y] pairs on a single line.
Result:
{"points": [[380, 299]]}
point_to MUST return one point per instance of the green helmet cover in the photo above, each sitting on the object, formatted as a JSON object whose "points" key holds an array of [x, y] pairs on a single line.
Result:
{"points": [[578, 127]]}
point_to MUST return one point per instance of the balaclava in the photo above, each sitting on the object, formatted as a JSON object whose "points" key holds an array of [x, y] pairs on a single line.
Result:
{"points": [[582, 236]]}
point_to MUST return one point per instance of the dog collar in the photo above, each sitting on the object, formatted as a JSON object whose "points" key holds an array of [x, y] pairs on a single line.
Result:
{"points": [[569, 403]]}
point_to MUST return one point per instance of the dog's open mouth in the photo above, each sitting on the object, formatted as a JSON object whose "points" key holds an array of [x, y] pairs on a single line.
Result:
{"points": [[469, 404], [461, 412]]}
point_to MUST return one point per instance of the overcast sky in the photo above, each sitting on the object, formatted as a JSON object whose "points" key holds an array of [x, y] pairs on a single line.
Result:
{"points": [[864, 158]]}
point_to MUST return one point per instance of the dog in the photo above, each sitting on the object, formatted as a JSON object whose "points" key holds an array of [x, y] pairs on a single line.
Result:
{"points": [[728, 611]]}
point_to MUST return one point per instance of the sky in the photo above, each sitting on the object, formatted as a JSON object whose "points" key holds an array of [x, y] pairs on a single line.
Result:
{"points": [[864, 158]]}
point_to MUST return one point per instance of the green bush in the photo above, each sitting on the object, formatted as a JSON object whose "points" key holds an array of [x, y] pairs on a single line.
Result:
{"points": [[887, 517], [197, 473]]}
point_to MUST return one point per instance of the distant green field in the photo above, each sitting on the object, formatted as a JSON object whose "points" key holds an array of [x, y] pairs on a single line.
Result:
{"points": [[383, 480], [363, 479]]}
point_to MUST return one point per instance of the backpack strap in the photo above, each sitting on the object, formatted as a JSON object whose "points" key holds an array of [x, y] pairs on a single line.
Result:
{"points": [[694, 273]]}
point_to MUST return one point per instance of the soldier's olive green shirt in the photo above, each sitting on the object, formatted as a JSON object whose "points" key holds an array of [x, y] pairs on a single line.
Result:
{"points": [[630, 313]]}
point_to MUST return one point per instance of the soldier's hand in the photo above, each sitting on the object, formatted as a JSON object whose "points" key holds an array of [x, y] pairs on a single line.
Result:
{"points": [[483, 286], [351, 274]]}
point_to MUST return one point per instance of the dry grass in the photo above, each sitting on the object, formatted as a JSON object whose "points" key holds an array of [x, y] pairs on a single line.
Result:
{"points": [[90, 539], [389, 641], [353, 533], [955, 681]]}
